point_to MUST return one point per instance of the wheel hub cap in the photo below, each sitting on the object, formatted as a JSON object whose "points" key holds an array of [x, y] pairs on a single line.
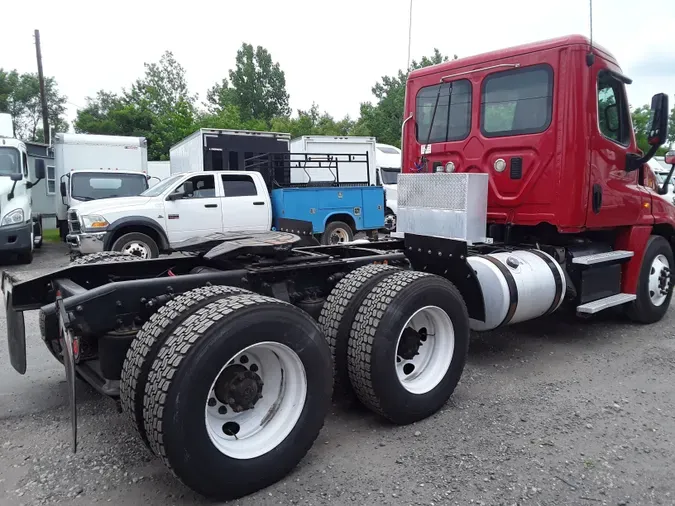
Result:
{"points": [[239, 388], [659, 280]]}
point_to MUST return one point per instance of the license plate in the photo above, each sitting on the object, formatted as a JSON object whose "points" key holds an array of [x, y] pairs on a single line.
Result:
{"points": [[70, 347]]}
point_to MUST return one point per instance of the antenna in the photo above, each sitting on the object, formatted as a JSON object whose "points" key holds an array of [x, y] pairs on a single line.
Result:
{"points": [[409, 33], [590, 57]]}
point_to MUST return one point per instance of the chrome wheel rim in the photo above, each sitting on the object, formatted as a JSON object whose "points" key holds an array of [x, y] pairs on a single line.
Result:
{"points": [[136, 248], [659, 280]]}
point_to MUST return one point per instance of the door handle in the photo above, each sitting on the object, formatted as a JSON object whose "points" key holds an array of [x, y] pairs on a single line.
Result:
{"points": [[210, 205], [258, 203]]}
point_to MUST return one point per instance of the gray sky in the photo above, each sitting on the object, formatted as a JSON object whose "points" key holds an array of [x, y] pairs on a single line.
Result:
{"points": [[332, 52]]}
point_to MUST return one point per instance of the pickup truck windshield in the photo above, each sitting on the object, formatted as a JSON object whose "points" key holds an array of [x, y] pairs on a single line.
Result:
{"points": [[94, 186], [388, 175], [9, 161], [161, 187]]}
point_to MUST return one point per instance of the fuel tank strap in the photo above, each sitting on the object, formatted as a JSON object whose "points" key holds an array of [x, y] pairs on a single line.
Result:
{"points": [[511, 284], [556, 278]]}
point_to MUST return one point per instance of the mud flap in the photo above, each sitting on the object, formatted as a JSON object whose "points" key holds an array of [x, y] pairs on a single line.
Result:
{"points": [[70, 347], [16, 328]]}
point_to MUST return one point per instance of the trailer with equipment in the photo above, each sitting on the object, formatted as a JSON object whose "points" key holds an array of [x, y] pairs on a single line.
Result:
{"points": [[224, 357]]}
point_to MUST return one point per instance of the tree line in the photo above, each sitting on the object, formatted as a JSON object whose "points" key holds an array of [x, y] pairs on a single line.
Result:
{"points": [[160, 107]]}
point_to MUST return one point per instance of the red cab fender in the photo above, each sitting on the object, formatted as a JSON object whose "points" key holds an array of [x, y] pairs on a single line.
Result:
{"points": [[632, 239]]}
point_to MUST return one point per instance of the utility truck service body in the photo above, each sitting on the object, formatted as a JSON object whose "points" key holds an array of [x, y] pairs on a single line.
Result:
{"points": [[91, 167], [20, 232], [225, 359]]}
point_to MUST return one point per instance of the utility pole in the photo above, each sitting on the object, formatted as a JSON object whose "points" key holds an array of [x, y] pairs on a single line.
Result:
{"points": [[43, 95]]}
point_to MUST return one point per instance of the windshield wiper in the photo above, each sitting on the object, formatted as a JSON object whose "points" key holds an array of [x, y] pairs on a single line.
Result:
{"points": [[86, 199]]}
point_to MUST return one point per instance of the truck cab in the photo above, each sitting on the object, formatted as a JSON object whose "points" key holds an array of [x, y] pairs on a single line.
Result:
{"points": [[549, 123], [17, 227]]}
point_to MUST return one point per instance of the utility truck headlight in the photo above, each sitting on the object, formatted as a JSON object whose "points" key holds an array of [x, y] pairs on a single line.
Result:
{"points": [[13, 218], [449, 167], [94, 223]]}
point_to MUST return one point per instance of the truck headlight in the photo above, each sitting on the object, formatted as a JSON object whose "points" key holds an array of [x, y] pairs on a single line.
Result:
{"points": [[94, 223], [13, 217]]}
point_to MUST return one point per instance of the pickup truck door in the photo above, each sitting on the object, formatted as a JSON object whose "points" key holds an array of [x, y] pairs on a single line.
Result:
{"points": [[197, 214], [246, 203]]}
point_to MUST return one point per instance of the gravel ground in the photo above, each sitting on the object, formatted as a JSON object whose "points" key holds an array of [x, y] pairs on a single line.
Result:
{"points": [[557, 411]]}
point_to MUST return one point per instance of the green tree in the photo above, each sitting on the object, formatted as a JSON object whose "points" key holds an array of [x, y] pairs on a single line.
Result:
{"points": [[384, 118], [671, 126], [256, 86], [20, 97], [158, 106]]}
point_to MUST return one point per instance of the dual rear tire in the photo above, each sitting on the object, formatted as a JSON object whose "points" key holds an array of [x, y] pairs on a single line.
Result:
{"points": [[399, 340], [229, 388]]}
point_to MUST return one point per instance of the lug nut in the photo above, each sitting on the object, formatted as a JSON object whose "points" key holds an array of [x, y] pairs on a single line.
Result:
{"points": [[222, 410]]}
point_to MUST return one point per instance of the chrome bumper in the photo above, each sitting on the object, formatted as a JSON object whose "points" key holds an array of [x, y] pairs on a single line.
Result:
{"points": [[85, 244]]}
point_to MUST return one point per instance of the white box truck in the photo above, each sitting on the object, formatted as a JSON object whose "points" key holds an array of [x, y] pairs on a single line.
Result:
{"points": [[388, 168], [158, 171], [90, 167], [220, 149], [325, 146]]}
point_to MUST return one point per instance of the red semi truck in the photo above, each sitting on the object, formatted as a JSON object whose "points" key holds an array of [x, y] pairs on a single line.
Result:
{"points": [[522, 190], [549, 122]]}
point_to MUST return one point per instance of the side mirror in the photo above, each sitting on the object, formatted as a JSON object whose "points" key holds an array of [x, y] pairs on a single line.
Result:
{"points": [[62, 189], [657, 131], [40, 168], [670, 158], [16, 177]]}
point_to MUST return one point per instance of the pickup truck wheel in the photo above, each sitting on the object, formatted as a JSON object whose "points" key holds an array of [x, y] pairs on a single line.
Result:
{"points": [[104, 257], [408, 346], [25, 257], [337, 315], [153, 334], [135, 243], [390, 220], [237, 394], [655, 284], [337, 232]]}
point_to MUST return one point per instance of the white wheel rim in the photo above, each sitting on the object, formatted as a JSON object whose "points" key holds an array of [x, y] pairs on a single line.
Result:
{"points": [[340, 235], [263, 427], [421, 373], [390, 221], [659, 280], [138, 249]]}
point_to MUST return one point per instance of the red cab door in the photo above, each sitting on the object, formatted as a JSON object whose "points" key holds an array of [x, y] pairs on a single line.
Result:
{"points": [[615, 197]]}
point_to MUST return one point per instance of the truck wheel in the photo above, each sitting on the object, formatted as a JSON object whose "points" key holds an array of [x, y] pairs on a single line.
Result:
{"points": [[37, 232], [135, 243], [655, 284], [337, 232], [390, 220], [104, 257], [152, 335], [25, 257], [237, 394], [338, 314], [408, 346]]}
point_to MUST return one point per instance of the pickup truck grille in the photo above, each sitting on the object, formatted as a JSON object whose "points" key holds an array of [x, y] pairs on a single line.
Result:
{"points": [[73, 222]]}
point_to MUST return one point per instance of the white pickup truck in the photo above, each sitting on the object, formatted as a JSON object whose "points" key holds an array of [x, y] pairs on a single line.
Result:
{"points": [[176, 209]]}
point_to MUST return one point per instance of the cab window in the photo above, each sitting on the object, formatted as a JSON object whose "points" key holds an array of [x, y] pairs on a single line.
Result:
{"points": [[205, 187], [24, 164], [613, 118], [452, 117], [517, 102]]}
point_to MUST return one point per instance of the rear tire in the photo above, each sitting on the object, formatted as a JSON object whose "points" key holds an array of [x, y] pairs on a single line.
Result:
{"points": [[180, 399], [337, 316], [408, 346], [651, 303], [25, 257], [135, 243], [104, 257], [337, 232], [153, 334]]}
